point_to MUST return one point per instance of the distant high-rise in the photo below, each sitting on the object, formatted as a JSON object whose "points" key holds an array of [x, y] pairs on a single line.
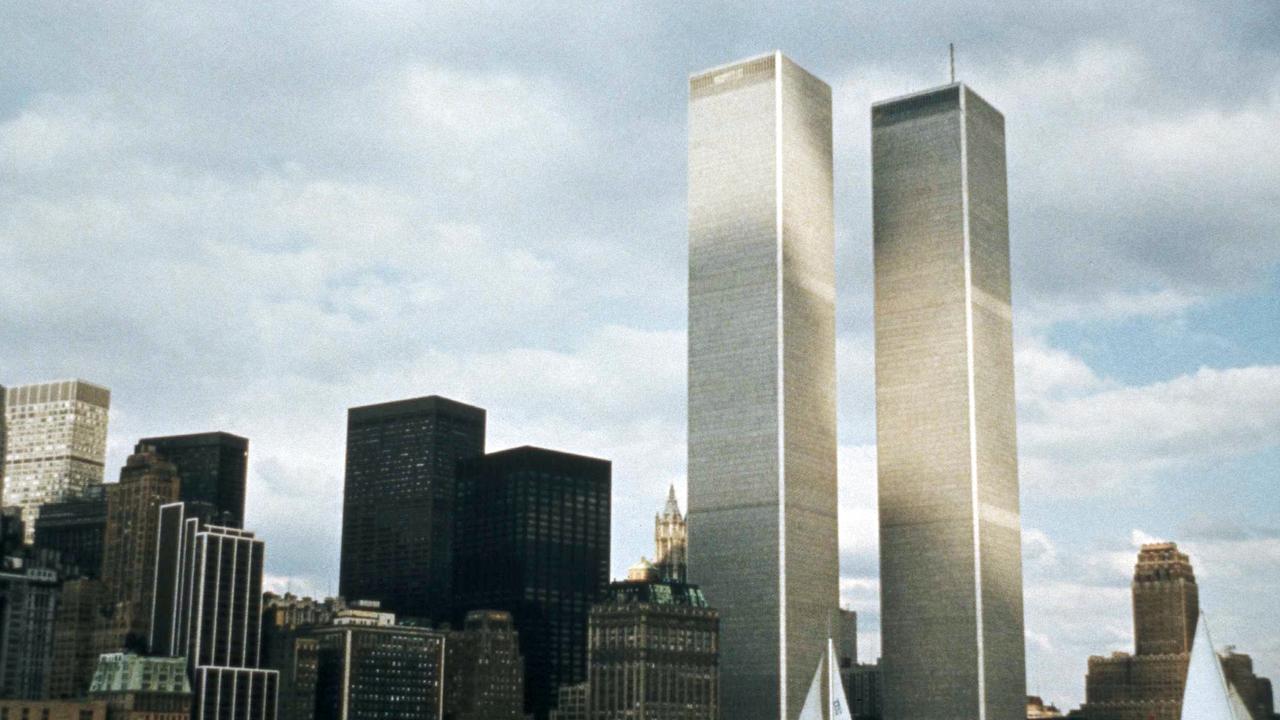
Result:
{"points": [[671, 541], [397, 512], [213, 467], [762, 378], [864, 686], [55, 443], [208, 591], [208, 609], [532, 539], [845, 636], [1148, 684], [75, 653], [1166, 601], [28, 599], [950, 544], [129, 549]]}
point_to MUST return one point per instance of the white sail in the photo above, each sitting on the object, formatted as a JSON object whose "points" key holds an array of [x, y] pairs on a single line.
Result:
{"points": [[1208, 695], [812, 709], [839, 700], [836, 702]]}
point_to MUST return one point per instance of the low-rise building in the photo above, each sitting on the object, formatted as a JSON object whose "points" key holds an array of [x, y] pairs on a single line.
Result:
{"points": [[653, 652], [142, 688], [53, 710]]}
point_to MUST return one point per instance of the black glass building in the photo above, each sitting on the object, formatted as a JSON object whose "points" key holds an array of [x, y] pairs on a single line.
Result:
{"points": [[397, 509], [76, 527], [213, 467], [532, 538]]}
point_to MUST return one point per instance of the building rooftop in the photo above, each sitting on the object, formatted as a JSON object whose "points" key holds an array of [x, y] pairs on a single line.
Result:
{"points": [[628, 592], [126, 672]]}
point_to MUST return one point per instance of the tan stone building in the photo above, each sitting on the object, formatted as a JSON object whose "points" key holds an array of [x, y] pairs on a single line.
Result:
{"points": [[1148, 684], [129, 548], [653, 654]]}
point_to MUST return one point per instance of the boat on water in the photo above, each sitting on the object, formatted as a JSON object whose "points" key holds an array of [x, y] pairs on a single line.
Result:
{"points": [[826, 701]]}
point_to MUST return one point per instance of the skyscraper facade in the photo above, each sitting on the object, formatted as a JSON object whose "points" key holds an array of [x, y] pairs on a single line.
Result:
{"points": [[214, 469], [762, 391], [55, 443], [671, 541], [950, 545], [397, 511], [533, 540], [208, 609]]}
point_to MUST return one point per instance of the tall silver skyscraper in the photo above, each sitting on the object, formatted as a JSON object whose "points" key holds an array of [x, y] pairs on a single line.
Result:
{"points": [[762, 393], [950, 545], [56, 443]]}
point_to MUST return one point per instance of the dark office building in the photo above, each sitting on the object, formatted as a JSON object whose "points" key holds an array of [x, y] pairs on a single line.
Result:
{"points": [[864, 686], [532, 538], [371, 672], [76, 527], [28, 599], [230, 693], [213, 467], [397, 510], [655, 654], [12, 530], [75, 656]]}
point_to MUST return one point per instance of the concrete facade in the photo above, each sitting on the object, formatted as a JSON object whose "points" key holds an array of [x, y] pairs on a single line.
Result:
{"points": [[762, 412], [55, 444], [950, 545]]}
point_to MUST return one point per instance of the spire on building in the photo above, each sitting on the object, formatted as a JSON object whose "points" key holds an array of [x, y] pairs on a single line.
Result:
{"points": [[671, 540], [673, 506]]}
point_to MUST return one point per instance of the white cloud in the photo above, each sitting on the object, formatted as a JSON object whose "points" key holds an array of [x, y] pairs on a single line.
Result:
{"points": [[1099, 441]]}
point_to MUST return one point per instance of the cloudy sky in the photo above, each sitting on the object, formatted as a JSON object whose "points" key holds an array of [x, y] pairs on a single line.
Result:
{"points": [[249, 217]]}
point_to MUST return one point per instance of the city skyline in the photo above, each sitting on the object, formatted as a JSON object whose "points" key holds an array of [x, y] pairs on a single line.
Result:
{"points": [[1145, 266]]}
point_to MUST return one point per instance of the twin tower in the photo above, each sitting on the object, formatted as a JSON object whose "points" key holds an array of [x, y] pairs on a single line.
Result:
{"points": [[762, 393]]}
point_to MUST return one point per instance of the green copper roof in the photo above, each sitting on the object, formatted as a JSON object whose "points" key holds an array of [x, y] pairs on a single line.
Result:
{"points": [[123, 672]]}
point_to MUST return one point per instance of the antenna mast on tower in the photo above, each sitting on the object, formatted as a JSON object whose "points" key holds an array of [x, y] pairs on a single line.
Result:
{"points": [[951, 47]]}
